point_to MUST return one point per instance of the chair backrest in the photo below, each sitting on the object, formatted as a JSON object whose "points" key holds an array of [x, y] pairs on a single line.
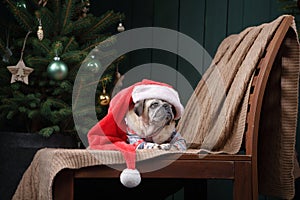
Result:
{"points": [[259, 85]]}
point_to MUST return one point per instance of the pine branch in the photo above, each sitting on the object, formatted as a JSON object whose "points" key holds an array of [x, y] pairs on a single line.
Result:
{"points": [[35, 3], [46, 132], [68, 13], [74, 56], [100, 40], [71, 40], [21, 15], [36, 62], [100, 23], [42, 46], [48, 21], [81, 24], [2, 46]]}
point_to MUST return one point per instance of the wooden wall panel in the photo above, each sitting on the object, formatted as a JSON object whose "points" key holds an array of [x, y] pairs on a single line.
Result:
{"points": [[166, 16], [188, 76], [235, 16], [256, 12], [215, 24]]}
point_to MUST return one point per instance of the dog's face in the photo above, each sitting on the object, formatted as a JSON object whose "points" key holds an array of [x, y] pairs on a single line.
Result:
{"points": [[152, 119]]}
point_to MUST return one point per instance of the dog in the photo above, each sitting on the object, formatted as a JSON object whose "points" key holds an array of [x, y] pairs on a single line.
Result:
{"points": [[151, 125]]}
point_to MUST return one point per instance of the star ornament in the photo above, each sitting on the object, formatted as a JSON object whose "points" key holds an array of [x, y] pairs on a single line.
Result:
{"points": [[20, 72]]}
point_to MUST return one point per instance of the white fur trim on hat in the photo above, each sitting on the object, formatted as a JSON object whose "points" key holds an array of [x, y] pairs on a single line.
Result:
{"points": [[142, 92]]}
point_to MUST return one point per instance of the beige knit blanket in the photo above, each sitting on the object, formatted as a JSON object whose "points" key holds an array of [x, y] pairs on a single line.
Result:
{"points": [[214, 118]]}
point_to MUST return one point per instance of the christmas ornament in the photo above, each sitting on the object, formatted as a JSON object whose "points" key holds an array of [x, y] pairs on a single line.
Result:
{"points": [[40, 31], [7, 55], [43, 2], [104, 98], [21, 4], [118, 81], [7, 52], [85, 8], [121, 28], [20, 72], [57, 69], [92, 64]]}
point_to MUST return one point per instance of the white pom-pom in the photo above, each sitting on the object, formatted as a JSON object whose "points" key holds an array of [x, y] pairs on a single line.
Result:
{"points": [[130, 178]]}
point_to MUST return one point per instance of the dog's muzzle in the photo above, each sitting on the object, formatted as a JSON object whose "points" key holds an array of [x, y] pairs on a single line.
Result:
{"points": [[164, 113]]}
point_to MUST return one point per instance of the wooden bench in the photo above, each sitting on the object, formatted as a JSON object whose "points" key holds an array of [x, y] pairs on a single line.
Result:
{"points": [[242, 169]]}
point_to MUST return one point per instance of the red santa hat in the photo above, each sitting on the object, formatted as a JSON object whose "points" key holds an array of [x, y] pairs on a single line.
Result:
{"points": [[110, 132]]}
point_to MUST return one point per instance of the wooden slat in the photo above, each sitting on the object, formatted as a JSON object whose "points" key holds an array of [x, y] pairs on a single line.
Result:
{"points": [[219, 157], [187, 169]]}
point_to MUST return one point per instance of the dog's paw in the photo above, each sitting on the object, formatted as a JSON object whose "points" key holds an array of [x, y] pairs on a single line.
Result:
{"points": [[165, 146]]}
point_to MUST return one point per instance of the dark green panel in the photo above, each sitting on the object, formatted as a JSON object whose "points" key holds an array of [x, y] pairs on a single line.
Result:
{"points": [[275, 9], [235, 16], [165, 15], [215, 24], [191, 23], [191, 19], [141, 15], [256, 12]]}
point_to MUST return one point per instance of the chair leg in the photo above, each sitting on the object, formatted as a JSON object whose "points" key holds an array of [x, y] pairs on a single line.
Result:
{"points": [[242, 183], [63, 188], [195, 189]]}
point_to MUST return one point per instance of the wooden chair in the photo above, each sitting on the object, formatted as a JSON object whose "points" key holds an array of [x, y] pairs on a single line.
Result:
{"points": [[242, 169]]}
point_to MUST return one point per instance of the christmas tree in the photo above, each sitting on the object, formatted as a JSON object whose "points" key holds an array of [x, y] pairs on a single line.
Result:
{"points": [[42, 48]]}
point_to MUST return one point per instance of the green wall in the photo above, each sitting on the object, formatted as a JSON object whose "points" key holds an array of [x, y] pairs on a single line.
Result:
{"points": [[206, 21]]}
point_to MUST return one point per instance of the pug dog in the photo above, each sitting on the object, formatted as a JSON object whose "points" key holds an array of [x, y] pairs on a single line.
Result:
{"points": [[151, 125]]}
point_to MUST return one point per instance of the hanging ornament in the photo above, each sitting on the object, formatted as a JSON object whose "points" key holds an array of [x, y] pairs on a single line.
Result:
{"points": [[21, 4], [121, 28], [104, 98], [20, 72], [8, 52], [40, 31], [43, 2], [118, 81], [85, 8], [57, 69], [92, 64]]}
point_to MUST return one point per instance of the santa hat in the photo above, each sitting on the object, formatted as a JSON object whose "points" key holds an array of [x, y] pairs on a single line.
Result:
{"points": [[110, 132]]}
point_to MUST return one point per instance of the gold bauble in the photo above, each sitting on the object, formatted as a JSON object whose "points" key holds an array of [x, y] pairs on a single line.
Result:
{"points": [[104, 99]]}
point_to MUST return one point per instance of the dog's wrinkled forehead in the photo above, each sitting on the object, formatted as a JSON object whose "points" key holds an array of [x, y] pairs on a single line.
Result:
{"points": [[152, 103]]}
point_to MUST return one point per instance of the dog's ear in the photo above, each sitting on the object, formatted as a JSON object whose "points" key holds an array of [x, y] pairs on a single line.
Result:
{"points": [[139, 108]]}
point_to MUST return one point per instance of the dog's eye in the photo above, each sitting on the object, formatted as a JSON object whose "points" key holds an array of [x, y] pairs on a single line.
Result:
{"points": [[154, 105]]}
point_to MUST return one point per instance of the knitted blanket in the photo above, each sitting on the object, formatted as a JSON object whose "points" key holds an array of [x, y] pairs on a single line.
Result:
{"points": [[214, 118], [37, 181]]}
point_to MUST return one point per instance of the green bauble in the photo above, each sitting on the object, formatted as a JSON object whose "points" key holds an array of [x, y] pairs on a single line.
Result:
{"points": [[92, 64], [57, 69]]}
